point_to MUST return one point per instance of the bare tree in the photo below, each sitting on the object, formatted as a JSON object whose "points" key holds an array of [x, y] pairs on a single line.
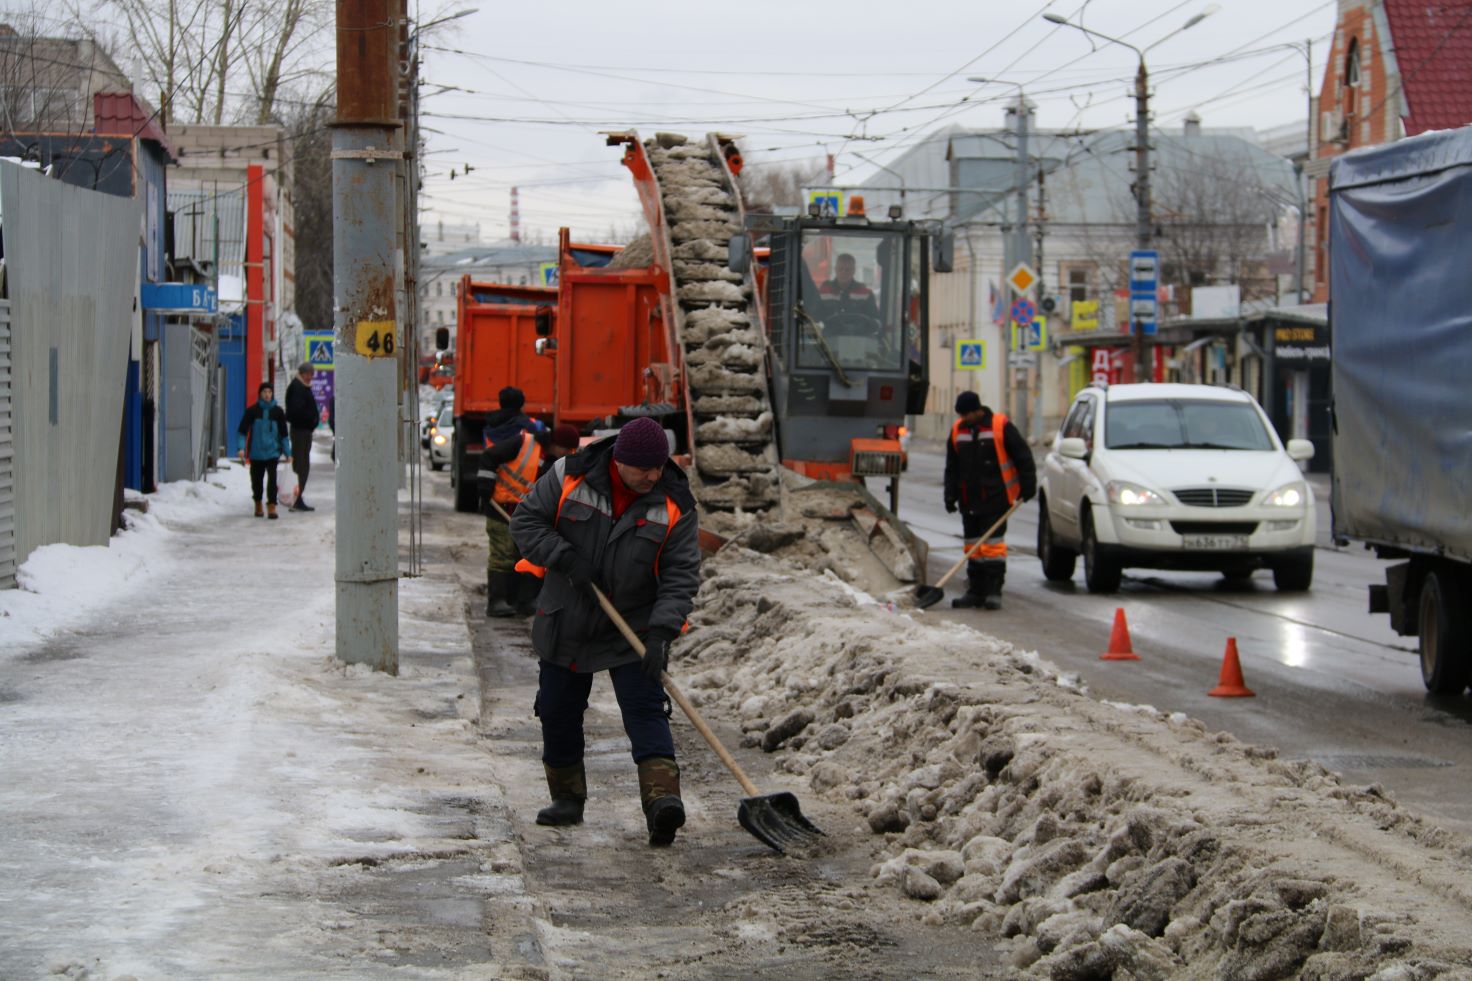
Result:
{"points": [[220, 60], [768, 186], [308, 126], [1213, 215]]}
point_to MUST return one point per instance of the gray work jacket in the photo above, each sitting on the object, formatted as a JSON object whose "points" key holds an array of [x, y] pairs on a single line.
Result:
{"points": [[648, 567]]}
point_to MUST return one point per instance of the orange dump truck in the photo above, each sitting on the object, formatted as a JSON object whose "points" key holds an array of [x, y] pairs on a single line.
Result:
{"points": [[581, 352]]}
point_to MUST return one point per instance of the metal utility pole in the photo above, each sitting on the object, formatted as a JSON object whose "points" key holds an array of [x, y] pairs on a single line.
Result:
{"points": [[1144, 233], [1035, 430], [364, 209], [1016, 248], [1308, 155], [1021, 253]]}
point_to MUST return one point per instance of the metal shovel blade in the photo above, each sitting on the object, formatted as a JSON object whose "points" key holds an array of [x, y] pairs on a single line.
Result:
{"points": [[928, 596], [776, 820]]}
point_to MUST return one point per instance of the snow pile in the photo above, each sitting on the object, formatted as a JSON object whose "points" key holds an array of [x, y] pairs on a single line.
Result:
{"points": [[61, 584], [1098, 842]]}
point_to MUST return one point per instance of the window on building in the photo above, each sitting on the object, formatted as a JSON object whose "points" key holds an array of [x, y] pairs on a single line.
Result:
{"points": [[1078, 284], [1352, 64]]}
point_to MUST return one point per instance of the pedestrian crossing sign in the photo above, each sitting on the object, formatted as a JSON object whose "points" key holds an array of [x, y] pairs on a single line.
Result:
{"points": [[970, 355], [319, 351]]}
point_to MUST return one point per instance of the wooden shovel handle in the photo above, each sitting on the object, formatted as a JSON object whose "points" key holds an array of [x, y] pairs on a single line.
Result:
{"points": [[679, 697], [986, 536]]}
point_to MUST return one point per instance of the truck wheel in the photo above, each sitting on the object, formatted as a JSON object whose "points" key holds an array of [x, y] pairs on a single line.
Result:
{"points": [[1102, 573], [1446, 640], [1058, 562], [1294, 575]]}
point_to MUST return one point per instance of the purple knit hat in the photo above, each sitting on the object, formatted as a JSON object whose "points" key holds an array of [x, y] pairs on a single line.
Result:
{"points": [[642, 443]]}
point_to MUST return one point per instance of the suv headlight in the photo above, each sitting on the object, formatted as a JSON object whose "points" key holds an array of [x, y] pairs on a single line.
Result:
{"points": [[1288, 496], [1131, 495], [439, 439]]}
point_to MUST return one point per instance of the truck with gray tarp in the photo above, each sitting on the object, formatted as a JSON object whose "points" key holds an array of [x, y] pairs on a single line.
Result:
{"points": [[1400, 321]]}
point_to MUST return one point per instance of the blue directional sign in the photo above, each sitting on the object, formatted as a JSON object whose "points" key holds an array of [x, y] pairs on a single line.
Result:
{"points": [[1144, 271], [970, 355], [1144, 312], [1144, 283]]}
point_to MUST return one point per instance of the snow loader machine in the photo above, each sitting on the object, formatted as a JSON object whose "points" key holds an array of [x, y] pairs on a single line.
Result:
{"points": [[802, 338]]}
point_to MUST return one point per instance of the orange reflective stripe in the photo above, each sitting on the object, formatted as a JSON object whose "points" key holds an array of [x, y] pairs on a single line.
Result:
{"points": [[514, 479], [1009, 470], [993, 550], [673, 510], [569, 484]]}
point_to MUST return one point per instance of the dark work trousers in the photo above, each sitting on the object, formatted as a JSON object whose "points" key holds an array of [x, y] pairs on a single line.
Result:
{"points": [[301, 456], [562, 698], [263, 469], [986, 570]]}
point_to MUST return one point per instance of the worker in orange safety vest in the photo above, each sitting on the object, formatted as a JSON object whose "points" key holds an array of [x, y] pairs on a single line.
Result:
{"points": [[989, 466], [508, 468]]}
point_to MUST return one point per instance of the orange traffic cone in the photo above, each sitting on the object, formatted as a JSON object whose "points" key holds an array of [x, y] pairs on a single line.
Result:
{"points": [[1120, 648], [1230, 685]]}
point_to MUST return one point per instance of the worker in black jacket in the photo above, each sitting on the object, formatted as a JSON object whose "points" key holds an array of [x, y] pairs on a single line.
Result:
{"points": [[988, 467], [303, 416], [617, 514]]}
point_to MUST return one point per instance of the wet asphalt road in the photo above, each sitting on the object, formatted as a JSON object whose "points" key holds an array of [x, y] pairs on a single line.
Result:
{"points": [[1333, 683]]}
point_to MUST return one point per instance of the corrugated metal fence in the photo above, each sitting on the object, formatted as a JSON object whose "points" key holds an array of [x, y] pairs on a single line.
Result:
{"points": [[7, 458], [71, 260]]}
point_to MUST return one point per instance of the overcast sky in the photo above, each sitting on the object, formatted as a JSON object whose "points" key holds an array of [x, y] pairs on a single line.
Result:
{"points": [[533, 84]]}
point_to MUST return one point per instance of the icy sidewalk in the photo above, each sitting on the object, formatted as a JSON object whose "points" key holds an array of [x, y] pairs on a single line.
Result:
{"points": [[195, 787]]}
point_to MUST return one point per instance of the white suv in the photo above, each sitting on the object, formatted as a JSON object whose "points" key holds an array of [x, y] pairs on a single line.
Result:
{"points": [[1174, 477]]}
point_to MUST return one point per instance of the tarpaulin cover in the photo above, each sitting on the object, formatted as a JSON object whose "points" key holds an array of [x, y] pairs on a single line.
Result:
{"points": [[1400, 320]]}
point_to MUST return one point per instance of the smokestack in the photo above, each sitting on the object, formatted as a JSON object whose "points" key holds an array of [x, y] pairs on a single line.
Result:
{"points": [[1192, 125], [515, 215]]}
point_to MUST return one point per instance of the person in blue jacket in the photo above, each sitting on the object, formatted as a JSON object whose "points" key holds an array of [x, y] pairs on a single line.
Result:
{"points": [[266, 441]]}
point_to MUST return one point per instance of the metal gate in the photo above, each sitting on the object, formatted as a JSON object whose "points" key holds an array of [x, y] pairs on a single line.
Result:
{"points": [[7, 458]]}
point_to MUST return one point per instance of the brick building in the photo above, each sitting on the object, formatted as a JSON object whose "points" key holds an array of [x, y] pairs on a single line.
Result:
{"points": [[1396, 68]]}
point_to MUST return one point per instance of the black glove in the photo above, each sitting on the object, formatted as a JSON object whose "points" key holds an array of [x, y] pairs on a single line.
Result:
{"points": [[578, 570], [1029, 493], [951, 505], [657, 652]]}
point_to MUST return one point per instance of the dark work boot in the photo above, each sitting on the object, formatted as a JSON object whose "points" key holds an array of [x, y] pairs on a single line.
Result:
{"points": [[996, 574], [498, 591], [975, 590], [659, 790], [569, 788]]}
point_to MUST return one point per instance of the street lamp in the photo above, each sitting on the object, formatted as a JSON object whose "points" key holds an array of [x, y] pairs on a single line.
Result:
{"points": [[1143, 230], [1020, 246]]}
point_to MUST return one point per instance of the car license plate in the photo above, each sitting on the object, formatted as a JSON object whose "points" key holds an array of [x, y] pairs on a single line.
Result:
{"points": [[1214, 543]]}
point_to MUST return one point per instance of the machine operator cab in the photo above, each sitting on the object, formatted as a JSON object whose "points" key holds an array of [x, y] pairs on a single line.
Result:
{"points": [[846, 312]]}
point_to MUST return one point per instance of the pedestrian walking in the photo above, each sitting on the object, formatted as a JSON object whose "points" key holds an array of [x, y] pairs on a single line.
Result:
{"points": [[618, 515], [508, 467], [988, 467], [303, 416], [266, 440]]}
